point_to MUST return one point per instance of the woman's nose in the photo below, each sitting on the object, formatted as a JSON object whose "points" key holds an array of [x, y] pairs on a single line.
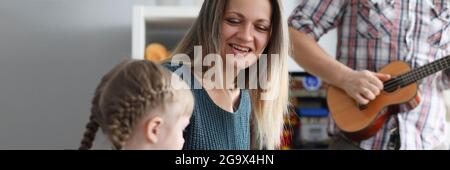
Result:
{"points": [[246, 33]]}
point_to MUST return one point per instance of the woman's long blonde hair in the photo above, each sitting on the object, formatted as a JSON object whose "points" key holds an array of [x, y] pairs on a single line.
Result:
{"points": [[267, 118]]}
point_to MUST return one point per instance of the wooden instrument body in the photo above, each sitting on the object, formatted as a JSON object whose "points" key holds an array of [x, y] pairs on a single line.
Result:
{"points": [[359, 124]]}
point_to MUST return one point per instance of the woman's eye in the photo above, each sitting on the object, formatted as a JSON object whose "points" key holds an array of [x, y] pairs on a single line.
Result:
{"points": [[233, 21], [262, 28]]}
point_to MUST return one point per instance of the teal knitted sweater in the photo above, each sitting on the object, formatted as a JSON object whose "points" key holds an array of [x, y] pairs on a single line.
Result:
{"points": [[212, 128]]}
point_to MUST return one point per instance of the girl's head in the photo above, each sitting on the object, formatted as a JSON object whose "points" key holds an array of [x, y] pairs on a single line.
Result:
{"points": [[248, 28], [137, 107]]}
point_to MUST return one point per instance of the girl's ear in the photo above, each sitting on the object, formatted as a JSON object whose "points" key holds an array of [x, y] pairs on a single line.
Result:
{"points": [[153, 129]]}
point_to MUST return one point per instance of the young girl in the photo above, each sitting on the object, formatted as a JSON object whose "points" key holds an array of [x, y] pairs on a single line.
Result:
{"points": [[138, 108], [222, 116]]}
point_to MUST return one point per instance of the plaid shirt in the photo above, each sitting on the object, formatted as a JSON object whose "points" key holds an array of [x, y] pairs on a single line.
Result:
{"points": [[372, 34]]}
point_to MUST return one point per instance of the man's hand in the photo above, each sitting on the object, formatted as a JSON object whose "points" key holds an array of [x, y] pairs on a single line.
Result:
{"points": [[363, 86]]}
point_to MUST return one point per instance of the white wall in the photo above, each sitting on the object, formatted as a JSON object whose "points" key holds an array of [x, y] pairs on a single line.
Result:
{"points": [[52, 55]]}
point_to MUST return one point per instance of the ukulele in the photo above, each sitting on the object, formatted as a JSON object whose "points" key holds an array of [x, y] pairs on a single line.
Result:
{"points": [[359, 122]]}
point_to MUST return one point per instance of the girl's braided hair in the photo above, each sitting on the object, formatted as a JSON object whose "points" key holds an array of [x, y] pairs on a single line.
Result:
{"points": [[123, 97]]}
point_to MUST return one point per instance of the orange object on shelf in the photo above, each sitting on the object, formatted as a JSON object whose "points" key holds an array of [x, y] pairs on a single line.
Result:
{"points": [[156, 52]]}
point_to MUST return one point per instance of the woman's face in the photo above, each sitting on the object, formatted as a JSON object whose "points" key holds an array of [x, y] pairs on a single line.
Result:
{"points": [[245, 31]]}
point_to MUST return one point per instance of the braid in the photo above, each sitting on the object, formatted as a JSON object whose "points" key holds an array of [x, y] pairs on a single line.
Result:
{"points": [[89, 134], [93, 124], [120, 132], [130, 111], [117, 139], [123, 97]]}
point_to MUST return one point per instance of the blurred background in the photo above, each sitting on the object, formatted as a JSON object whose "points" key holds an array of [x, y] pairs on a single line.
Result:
{"points": [[52, 56]]}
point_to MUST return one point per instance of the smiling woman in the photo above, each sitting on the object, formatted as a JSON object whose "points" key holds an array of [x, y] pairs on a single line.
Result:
{"points": [[240, 31], [245, 32]]}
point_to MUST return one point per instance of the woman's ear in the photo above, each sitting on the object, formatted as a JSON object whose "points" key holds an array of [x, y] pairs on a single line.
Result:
{"points": [[153, 129]]}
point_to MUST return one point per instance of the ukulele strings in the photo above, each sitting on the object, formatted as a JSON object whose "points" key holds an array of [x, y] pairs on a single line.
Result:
{"points": [[420, 72]]}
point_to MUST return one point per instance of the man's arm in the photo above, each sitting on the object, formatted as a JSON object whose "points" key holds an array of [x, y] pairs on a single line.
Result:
{"points": [[315, 60], [305, 30], [363, 86]]}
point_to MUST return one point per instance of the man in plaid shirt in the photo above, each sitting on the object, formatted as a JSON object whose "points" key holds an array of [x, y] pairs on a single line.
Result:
{"points": [[372, 34]]}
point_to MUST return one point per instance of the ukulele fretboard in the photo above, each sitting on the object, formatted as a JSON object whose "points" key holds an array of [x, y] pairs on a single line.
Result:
{"points": [[417, 74]]}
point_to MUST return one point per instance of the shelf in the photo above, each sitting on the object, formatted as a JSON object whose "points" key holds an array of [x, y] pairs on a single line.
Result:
{"points": [[159, 19]]}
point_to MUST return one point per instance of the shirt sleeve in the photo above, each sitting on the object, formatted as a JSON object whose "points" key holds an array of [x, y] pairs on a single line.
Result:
{"points": [[317, 17]]}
